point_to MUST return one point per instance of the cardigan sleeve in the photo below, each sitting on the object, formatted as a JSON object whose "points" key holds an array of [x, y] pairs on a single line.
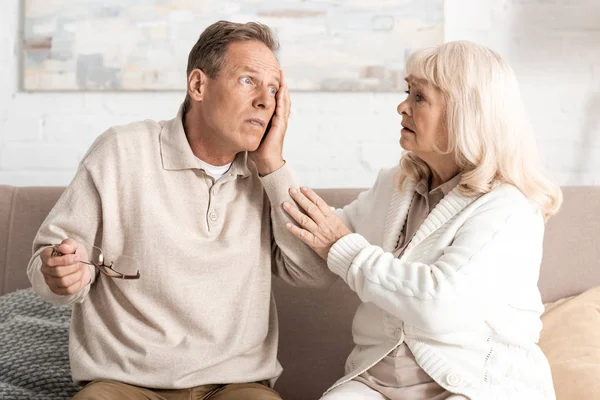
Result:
{"points": [[499, 244]]}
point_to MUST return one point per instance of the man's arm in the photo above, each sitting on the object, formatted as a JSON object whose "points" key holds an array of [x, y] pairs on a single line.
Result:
{"points": [[73, 224], [292, 260]]}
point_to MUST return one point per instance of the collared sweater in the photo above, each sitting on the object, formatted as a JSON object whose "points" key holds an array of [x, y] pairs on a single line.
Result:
{"points": [[202, 311]]}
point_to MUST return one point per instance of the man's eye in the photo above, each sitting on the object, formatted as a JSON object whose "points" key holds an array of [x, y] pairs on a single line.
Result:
{"points": [[246, 80], [273, 90]]}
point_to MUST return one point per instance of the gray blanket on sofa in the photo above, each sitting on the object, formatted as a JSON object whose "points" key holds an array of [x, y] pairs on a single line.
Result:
{"points": [[34, 359]]}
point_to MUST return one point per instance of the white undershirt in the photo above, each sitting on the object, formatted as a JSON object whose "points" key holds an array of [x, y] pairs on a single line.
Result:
{"points": [[216, 171]]}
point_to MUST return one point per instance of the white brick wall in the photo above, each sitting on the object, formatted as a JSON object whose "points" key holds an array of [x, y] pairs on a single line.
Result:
{"points": [[341, 139]]}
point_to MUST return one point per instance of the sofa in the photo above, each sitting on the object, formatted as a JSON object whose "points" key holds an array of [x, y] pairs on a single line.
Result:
{"points": [[315, 324]]}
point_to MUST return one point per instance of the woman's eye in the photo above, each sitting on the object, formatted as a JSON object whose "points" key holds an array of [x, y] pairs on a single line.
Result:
{"points": [[418, 98], [273, 90], [246, 80]]}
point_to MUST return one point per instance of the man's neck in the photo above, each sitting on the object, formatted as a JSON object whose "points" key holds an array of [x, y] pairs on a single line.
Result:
{"points": [[203, 144]]}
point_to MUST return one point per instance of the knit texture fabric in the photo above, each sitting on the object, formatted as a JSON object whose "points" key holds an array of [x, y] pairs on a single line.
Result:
{"points": [[34, 357]]}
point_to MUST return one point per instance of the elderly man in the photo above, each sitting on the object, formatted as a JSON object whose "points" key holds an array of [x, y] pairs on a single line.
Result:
{"points": [[166, 239]]}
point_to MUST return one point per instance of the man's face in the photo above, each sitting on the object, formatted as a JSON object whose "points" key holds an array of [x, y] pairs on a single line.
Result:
{"points": [[238, 103]]}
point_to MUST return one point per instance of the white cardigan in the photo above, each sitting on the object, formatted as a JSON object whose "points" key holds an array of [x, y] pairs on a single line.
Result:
{"points": [[463, 296]]}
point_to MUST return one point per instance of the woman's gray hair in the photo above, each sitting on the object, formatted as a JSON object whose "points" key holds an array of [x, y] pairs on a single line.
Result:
{"points": [[487, 126]]}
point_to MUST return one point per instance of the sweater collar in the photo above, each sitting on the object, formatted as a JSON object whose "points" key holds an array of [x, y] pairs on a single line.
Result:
{"points": [[452, 204], [177, 154]]}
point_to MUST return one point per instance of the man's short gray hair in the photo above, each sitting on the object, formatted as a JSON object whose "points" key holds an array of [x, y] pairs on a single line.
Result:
{"points": [[209, 52]]}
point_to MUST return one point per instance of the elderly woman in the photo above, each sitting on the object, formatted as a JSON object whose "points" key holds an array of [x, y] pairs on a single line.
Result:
{"points": [[444, 250]]}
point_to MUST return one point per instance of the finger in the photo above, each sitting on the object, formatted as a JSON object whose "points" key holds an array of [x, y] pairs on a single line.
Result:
{"points": [[65, 281], [68, 246], [302, 219], [60, 271], [318, 201], [283, 99], [301, 234], [67, 291], [46, 254], [311, 208], [286, 96], [62, 260]]}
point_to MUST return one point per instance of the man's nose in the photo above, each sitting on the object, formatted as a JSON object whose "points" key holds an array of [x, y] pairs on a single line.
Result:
{"points": [[264, 99]]}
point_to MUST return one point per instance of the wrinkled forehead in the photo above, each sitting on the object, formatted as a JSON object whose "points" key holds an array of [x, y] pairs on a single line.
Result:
{"points": [[251, 54]]}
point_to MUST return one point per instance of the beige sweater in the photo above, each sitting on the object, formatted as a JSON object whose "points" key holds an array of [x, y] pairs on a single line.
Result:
{"points": [[202, 311]]}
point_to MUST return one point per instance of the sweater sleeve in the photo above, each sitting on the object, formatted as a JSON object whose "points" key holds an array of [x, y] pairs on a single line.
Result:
{"points": [[498, 245], [76, 215], [292, 260]]}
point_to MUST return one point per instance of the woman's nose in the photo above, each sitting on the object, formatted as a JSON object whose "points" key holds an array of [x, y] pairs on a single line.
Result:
{"points": [[402, 108]]}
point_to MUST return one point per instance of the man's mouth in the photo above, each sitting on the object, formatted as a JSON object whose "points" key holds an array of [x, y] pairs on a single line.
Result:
{"points": [[257, 122]]}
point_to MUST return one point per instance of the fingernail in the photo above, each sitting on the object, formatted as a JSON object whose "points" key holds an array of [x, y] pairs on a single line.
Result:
{"points": [[288, 225], [75, 258], [304, 188], [293, 191]]}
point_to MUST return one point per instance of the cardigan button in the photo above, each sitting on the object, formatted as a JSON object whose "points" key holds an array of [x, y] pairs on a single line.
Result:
{"points": [[453, 379]]}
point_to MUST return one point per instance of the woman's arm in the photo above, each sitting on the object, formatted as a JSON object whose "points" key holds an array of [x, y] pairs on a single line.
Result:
{"points": [[499, 244]]}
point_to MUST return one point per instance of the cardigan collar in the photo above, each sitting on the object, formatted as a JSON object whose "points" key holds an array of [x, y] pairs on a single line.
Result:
{"points": [[452, 204]]}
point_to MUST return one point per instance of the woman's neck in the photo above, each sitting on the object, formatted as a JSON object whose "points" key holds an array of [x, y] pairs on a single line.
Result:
{"points": [[442, 171]]}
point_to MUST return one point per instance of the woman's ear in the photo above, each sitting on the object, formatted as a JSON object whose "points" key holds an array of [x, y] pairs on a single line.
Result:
{"points": [[196, 84]]}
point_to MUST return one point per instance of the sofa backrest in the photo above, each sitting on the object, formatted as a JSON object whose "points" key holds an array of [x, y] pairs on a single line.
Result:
{"points": [[571, 253], [315, 325], [22, 211]]}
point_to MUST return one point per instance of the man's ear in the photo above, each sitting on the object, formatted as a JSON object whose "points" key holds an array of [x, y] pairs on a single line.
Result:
{"points": [[196, 84]]}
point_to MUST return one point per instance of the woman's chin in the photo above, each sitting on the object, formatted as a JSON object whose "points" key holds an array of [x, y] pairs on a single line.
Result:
{"points": [[406, 143]]}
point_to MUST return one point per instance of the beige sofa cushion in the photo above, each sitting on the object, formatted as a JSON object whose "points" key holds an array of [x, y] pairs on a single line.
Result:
{"points": [[571, 341]]}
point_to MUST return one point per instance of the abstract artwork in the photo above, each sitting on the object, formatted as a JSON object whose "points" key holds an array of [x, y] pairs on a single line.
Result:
{"points": [[120, 45]]}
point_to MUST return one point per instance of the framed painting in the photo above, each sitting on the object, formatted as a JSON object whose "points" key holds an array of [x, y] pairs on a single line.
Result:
{"points": [[133, 45]]}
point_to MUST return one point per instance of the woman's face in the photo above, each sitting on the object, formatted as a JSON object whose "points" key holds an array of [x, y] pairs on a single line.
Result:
{"points": [[423, 123]]}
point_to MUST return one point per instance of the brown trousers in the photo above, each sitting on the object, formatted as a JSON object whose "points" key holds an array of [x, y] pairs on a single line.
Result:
{"points": [[109, 390]]}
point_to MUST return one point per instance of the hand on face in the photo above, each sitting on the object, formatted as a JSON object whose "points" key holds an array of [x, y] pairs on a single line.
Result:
{"points": [[269, 155], [319, 228]]}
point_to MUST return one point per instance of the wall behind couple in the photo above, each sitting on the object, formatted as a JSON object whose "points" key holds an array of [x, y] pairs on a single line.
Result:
{"points": [[340, 139]]}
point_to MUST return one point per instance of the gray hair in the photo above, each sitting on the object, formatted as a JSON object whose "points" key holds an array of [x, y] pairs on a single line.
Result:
{"points": [[210, 51]]}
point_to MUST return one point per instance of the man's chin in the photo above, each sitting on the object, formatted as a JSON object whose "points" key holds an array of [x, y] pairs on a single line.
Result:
{"points": [[251, 147]]}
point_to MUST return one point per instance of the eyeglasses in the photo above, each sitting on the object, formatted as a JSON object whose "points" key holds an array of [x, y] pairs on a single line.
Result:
{"points": [[105, 268]]}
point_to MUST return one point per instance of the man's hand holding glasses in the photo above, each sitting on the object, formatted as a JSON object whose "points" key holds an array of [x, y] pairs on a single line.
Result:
{"points": [[65, 267]]}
